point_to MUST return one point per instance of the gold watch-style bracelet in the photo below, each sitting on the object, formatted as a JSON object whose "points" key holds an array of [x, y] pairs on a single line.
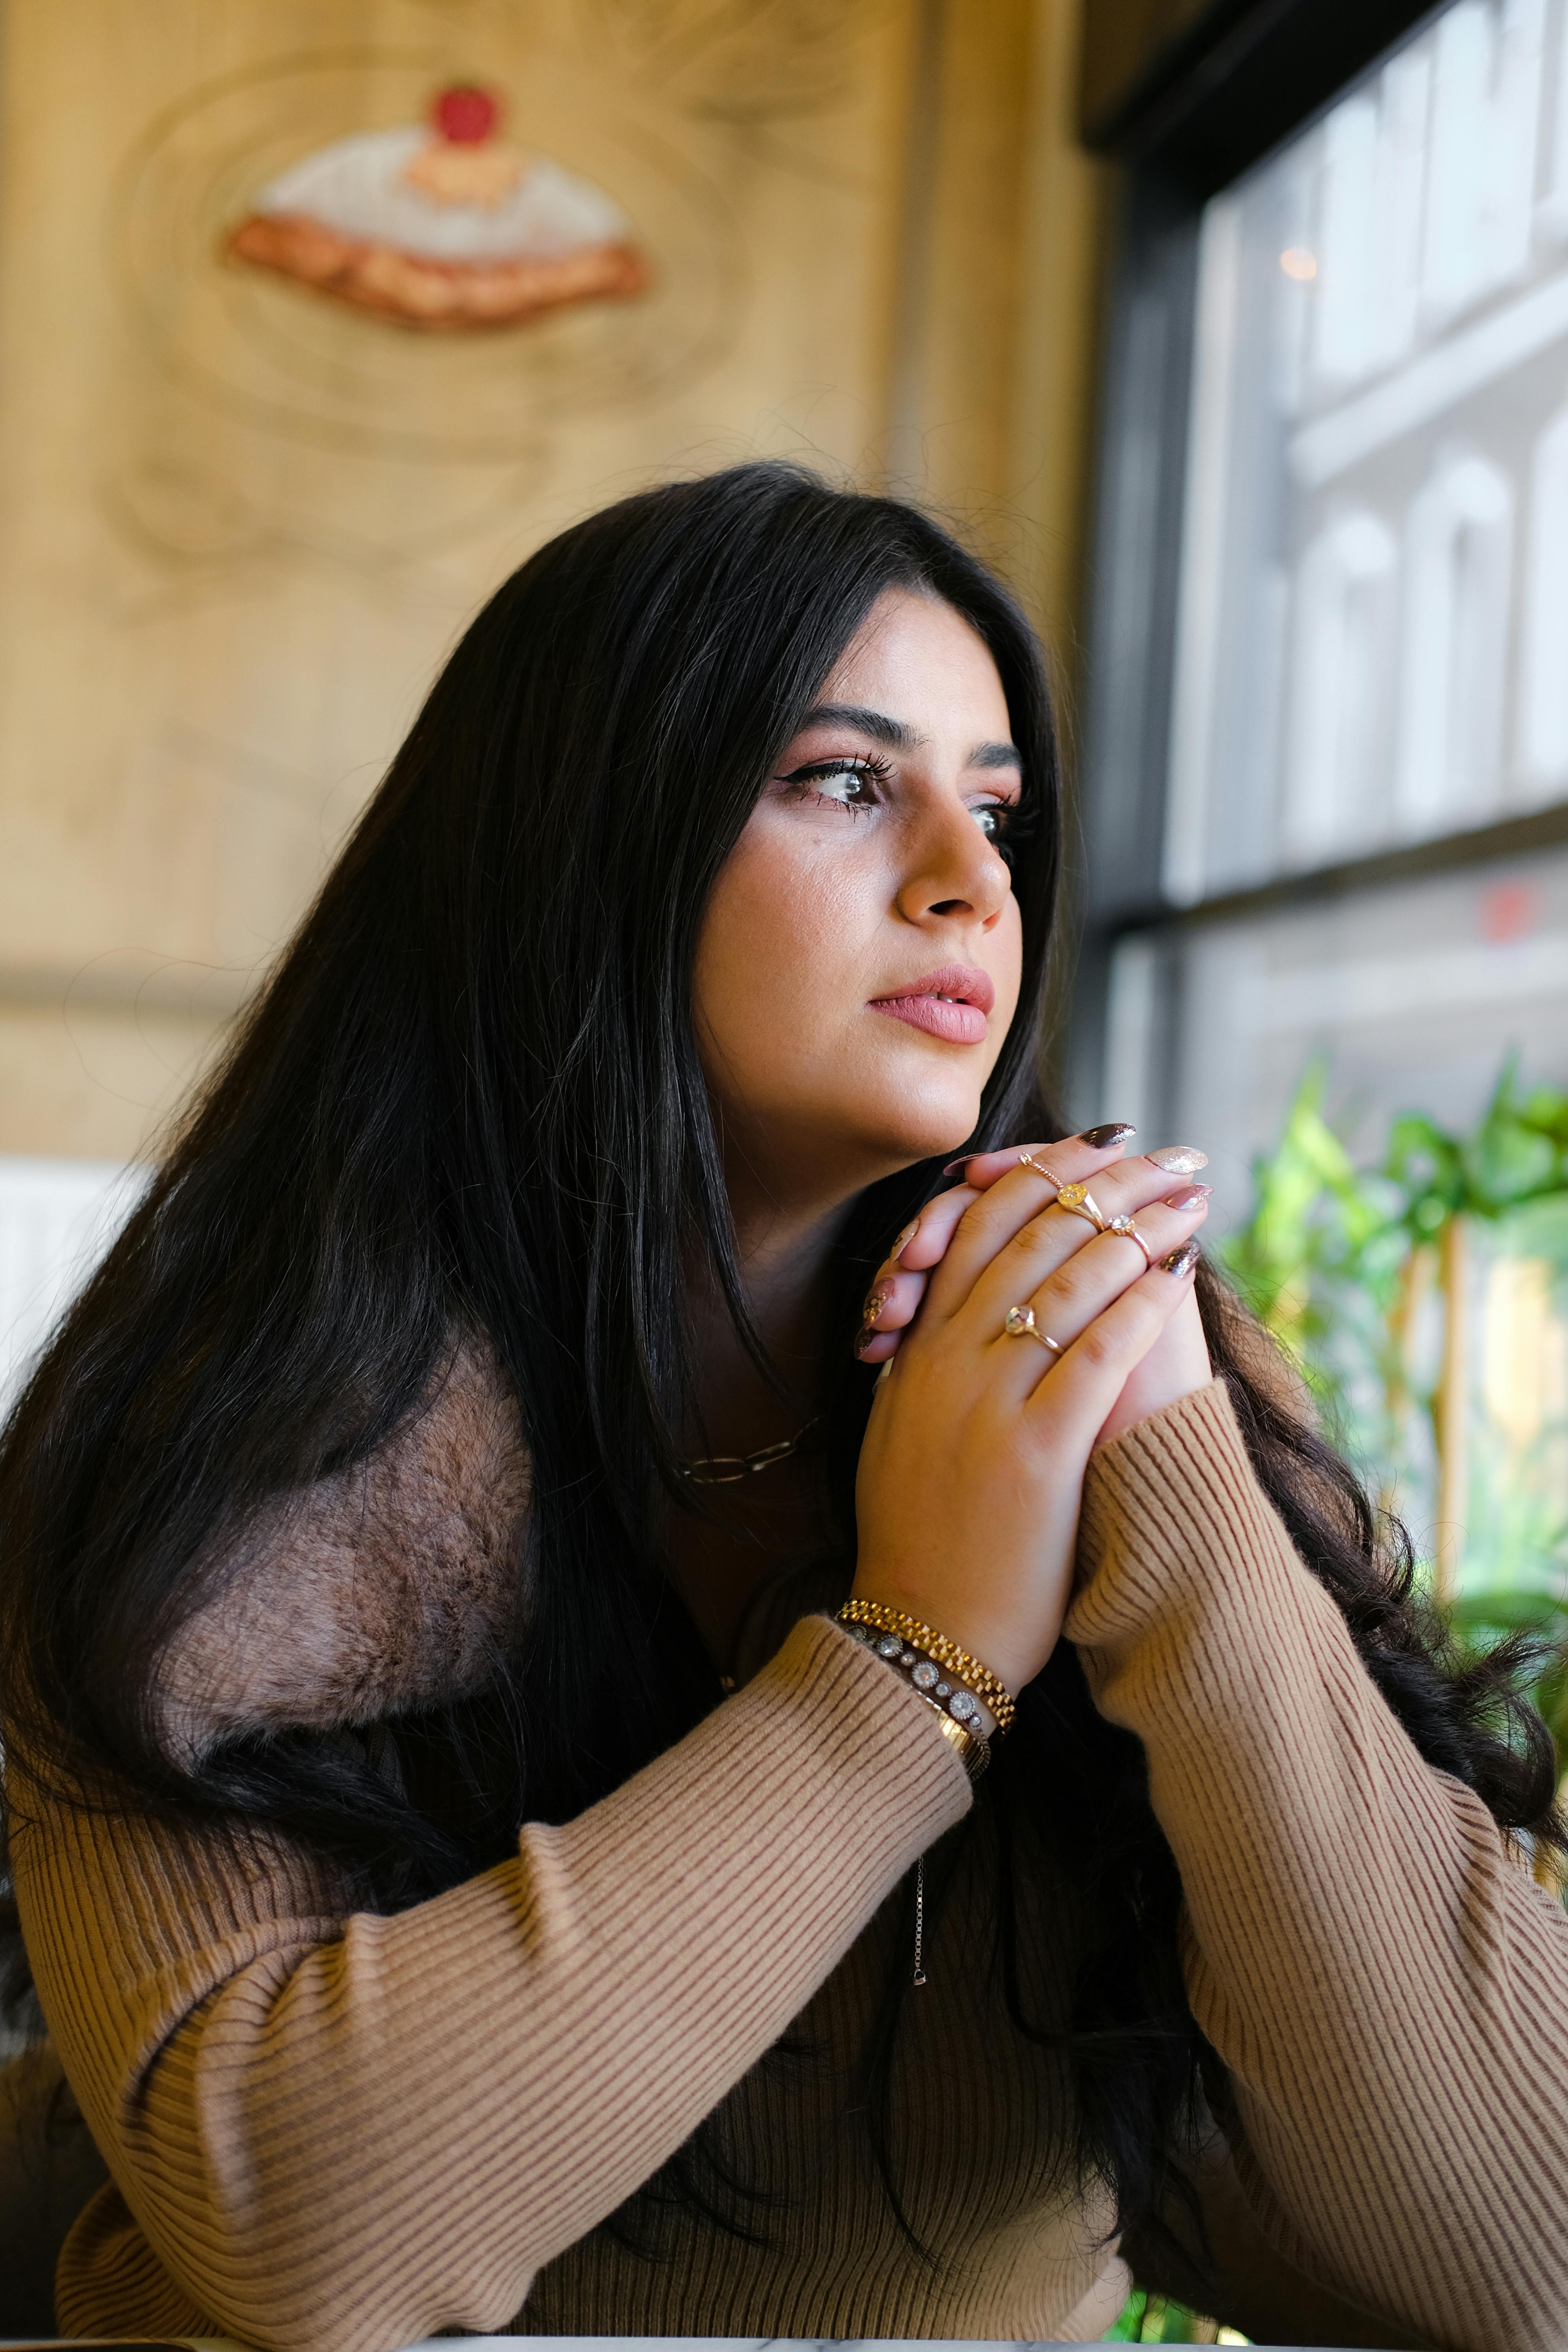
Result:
{"points": [[974, 1752], [959, 1664]]}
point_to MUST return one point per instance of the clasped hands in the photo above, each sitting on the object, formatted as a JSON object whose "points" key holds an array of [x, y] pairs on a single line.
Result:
{"points": [[972, 1471]]}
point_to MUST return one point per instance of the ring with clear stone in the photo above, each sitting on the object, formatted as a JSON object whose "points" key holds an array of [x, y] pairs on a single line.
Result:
{"points": [[1019, 1324], [1125, 1229]]}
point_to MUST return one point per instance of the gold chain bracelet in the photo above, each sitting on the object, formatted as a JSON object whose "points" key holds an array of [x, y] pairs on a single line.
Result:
{"points": [[921, 1636]]}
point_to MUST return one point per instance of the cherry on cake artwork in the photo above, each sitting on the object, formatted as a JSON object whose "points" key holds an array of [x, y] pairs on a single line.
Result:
{"points": [[442, 226]]}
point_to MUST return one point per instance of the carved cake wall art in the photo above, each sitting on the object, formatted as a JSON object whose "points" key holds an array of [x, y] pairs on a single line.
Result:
{"points": [[445, 224]]}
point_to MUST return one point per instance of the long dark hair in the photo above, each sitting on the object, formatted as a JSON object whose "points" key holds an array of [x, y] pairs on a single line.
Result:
{"points": [[470, 1099]]}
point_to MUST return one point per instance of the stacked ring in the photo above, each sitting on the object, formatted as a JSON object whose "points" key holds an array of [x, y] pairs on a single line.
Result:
{"points": [[1080, 1202]]}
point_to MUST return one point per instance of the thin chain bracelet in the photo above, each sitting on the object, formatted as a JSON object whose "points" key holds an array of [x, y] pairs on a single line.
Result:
{"points": [[919, 1974], [918, 1635]]}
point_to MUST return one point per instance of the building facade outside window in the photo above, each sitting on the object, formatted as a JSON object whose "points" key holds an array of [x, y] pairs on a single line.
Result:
{"points": [[1327, 769]]}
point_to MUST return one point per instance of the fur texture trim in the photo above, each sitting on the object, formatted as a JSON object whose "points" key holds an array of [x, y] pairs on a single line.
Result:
{"points": [[387, 1588]]}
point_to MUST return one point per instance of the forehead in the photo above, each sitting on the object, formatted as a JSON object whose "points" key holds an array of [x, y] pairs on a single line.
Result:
{"points": [[916, 659]]}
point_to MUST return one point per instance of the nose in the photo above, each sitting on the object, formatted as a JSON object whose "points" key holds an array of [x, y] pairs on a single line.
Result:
{"points": [[955, 871]]}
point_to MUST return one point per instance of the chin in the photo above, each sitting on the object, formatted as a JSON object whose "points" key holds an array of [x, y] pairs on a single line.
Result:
{"points": [[937, 1130]]}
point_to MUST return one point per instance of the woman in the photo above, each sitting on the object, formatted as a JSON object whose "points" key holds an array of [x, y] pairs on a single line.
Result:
{"points": [[476, 1402]]}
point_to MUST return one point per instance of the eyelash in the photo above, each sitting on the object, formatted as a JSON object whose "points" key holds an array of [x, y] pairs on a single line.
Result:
{"points": [[1011, 817]]}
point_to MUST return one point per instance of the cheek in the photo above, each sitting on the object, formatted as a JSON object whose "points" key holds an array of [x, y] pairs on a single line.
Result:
{"points": [[1006, 964], [785, 933]]}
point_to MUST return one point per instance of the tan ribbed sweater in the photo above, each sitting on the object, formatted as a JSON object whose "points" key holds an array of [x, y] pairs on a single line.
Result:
{"points": [[349, 2131]]}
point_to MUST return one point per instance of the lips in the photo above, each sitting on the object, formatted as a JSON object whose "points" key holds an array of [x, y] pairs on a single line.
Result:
{"points": [[951, 1004]]}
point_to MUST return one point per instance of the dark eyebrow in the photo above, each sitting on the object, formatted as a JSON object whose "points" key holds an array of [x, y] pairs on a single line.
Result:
{"points": [[898, 737], [875, 723]]}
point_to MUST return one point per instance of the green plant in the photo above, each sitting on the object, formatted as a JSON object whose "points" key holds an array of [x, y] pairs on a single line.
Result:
{"points": [[1426, 1301], [1148, 2318]]}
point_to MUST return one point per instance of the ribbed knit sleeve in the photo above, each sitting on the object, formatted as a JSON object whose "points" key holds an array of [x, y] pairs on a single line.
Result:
{"points": [[1386, 1987], [353, 2132]]}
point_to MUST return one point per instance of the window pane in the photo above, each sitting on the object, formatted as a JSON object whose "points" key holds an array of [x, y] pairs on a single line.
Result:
{"points": [[1373, 642]]}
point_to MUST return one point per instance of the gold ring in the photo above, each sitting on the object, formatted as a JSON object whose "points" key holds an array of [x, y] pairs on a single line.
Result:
{"points": [[1080, 1202], [1025, 1160], [1019, 1324]]}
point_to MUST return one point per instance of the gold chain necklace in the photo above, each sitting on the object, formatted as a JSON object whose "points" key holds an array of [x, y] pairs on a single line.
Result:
{"points": [[729, 1469]]}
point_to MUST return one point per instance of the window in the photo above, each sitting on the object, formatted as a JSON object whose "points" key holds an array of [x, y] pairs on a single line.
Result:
{"points": [[1372, 618], [1326, 787]]}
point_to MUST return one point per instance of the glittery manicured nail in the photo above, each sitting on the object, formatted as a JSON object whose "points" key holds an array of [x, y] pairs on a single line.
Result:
{"points": [[953, 1166], [868, 1332], [1182, 1260], [1193, 1198], [1100, 1138], [875, 1302], [905, 1238], [1178, 1158]]}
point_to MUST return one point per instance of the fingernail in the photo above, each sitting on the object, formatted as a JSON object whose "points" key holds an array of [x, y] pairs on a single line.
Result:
{"points": [[864, 1337], [1100, 1138], [1182, 1260], [1178, 1158], [1194, 1198], [905, 1238], [954, 1166], [875, 1302]]}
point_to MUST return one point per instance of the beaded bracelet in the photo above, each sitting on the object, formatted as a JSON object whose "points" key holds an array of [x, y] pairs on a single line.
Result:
{"points": [[912, 1632]]}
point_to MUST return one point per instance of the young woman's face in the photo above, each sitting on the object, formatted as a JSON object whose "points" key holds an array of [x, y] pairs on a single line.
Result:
{"points": [[859, 957]]}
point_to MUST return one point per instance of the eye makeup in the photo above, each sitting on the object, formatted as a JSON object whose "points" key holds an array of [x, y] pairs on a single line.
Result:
{"points": [[1002, 822]]}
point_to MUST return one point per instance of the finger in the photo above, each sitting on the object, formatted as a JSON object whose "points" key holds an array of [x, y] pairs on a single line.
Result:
{"points": [[1059, 1235], [933, 1229], [1069, 1301], [1073, 1397], [1014, 1194], [1019, 1209], [981, 1168], [924, 1242], [891, 1306]]}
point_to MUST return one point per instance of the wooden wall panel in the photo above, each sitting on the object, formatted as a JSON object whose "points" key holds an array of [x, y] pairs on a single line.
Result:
{"points": [[241, 524]]}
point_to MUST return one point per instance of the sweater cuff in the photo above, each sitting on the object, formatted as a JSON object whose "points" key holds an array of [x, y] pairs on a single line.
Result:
{"points": [[871, 1725]]}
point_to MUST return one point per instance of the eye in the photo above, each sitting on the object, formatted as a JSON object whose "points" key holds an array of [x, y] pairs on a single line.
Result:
{"points": [[852, 784], [1007, 823], [997, 820]]}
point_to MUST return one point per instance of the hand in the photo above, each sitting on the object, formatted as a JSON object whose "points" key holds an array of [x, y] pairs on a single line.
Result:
{"points": [[1178, 1361], [972, 1471]]}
